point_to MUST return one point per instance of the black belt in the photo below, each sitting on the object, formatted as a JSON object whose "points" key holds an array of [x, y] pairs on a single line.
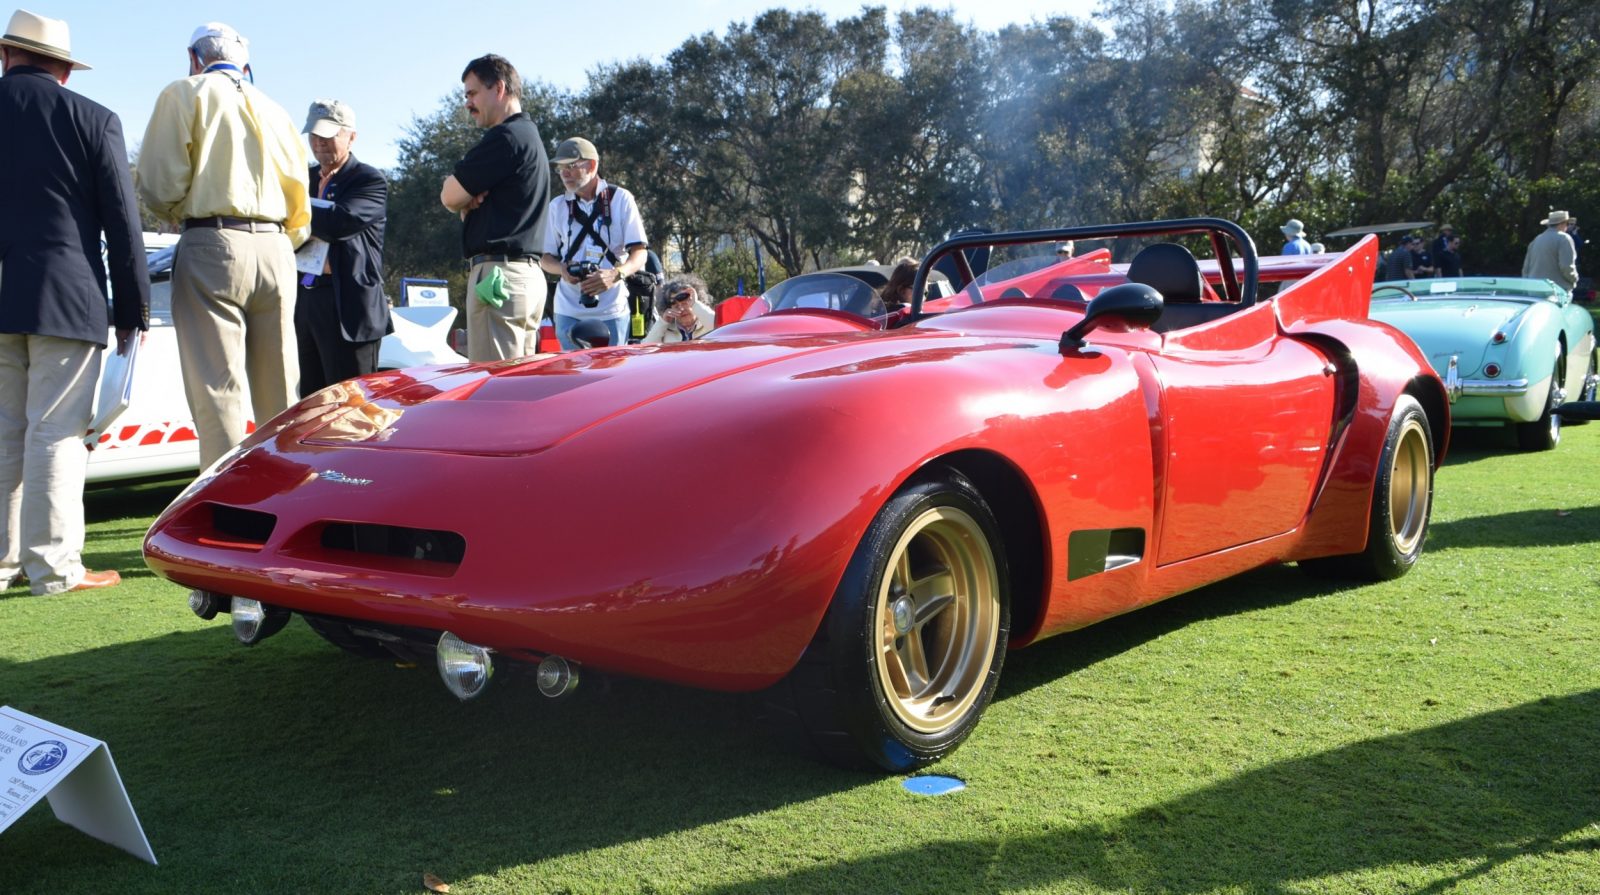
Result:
{"points": [[221, 222], [476, 260]]}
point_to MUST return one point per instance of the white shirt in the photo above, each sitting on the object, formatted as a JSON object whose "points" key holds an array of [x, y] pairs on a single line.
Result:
{"points": [[625, 228]]}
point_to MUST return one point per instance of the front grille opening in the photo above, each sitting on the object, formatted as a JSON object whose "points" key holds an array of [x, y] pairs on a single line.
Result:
{"points": [[246, 527], [429, 545]]}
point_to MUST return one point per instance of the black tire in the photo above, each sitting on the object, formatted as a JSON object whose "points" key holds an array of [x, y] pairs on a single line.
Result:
{"points": [[1402, 502], [1544, 433], [897, 680], [1591, 384], [340, 635]]}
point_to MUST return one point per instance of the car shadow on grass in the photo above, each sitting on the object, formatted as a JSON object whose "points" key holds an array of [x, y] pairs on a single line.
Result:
{"points": [[1453, 802], [1058, 656], [1470, 444], [1522, 528], [290, 766], [139, 501]]}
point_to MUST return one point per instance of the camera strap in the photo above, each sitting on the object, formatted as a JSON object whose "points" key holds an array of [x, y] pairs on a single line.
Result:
{"points": [[586, 225]]}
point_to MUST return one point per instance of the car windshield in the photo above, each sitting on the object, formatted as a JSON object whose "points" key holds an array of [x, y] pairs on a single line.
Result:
{"points": [[833, 291], [1009, 270], [160, 263], [1508, 289]]}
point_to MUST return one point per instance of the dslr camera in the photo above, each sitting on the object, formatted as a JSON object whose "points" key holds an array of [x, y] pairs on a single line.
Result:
{"points": [[582, 270]]}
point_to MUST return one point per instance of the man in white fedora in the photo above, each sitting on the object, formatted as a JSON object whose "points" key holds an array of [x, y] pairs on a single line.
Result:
{"points": [[1295, 234], [226, 162], [1551, 255], [64, 176]]}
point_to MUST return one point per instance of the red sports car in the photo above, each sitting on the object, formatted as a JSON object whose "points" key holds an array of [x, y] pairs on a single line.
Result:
{"points": [[859, 515]]}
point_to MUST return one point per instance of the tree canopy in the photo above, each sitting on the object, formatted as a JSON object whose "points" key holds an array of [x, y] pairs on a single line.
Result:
{"points": [[823, 143]]}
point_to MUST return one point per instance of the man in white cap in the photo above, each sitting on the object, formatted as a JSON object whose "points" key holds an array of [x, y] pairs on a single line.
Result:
{"points": [[64, 176], [1295, 233], [225, 162], [597, 224], [341, 314], [1551, 255]]}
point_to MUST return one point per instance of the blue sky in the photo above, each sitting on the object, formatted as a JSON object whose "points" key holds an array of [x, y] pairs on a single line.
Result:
{"points": [[394, 61]]}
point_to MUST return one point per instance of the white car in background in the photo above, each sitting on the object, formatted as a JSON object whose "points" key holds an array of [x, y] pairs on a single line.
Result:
{"points": [[143, 428]]}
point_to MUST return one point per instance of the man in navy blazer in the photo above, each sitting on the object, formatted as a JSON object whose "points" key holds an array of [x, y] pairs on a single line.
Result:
{"points": [[64, 175], [341, 314]]}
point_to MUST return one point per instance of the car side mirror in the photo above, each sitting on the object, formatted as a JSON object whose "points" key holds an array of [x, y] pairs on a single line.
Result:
{"points": [[1134, 305]]}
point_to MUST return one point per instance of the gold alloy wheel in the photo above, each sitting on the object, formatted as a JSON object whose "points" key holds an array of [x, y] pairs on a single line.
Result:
{"points": [[937, 615], [1408, 487]]}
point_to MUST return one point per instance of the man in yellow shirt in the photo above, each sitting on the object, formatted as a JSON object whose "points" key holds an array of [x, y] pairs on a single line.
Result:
{"points": [[226, 163]]}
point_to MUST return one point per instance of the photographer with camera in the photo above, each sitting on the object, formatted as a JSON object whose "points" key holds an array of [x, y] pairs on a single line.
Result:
{"points": [[595, 241]]}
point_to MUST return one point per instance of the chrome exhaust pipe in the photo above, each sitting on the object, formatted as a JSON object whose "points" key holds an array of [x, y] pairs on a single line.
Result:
{"points": [[556, 676], [207, 603]]}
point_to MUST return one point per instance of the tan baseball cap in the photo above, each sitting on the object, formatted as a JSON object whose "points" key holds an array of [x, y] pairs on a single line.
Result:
{"points": [[327, 116], [574, 148]]}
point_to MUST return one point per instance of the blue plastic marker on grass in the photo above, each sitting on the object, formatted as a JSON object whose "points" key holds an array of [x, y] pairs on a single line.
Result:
{"points": [[933, 785]]}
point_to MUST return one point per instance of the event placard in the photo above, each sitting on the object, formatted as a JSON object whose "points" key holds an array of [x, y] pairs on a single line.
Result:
{"points": [[74, 773]]}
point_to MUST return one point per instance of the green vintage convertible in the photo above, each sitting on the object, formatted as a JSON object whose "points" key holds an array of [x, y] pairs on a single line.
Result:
{"points": [[1510, 350]]}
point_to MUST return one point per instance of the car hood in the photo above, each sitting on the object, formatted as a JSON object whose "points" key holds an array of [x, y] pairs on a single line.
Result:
{"points": [[1457, 327], [532, 404]]}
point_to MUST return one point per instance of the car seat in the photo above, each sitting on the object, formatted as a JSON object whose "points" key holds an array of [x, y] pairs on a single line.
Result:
{"points": [[1067, 292], [1171, 270]]}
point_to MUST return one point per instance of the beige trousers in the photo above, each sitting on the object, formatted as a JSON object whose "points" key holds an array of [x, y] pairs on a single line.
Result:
{"points": [[511, 330], [233, 310], [47, 387]]}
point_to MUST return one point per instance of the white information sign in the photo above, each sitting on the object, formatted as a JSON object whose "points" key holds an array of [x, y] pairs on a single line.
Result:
{"points": [[74, 773], [426, 295]]}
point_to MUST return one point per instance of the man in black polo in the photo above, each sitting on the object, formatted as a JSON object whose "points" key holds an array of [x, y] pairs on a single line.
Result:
{"points": [[500, 189]]}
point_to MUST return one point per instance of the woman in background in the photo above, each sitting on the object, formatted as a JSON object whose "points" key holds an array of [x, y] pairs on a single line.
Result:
{"points": [[896, 293], [682, 314]]}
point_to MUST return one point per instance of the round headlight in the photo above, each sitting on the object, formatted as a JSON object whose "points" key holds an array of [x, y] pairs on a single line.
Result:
{"points": [[465, 667], [254, 621]]}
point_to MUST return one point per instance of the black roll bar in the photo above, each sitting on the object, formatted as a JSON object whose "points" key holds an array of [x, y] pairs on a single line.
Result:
{"points": [[1217, 228]]}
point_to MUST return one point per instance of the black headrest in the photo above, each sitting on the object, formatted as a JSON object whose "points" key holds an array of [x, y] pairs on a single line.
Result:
{"points": [[1068, 292], [1169, 269], [589, 333]]}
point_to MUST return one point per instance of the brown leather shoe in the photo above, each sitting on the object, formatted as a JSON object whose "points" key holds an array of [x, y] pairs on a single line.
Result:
{"points": [[95, 580]]}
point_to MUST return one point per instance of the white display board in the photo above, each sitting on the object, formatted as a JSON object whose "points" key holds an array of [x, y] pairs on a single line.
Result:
{"points": [[416, 293], [74, 773]]}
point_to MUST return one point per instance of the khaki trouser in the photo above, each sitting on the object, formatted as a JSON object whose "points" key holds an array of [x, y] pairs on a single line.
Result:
{"points": [[233, 310], [511, 330], [47, 387]]}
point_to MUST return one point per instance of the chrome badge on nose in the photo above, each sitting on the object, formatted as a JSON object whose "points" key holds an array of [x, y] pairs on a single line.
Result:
{"points": [[339, 478]]}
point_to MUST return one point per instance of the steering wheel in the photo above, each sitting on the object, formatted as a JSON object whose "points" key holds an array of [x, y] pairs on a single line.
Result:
{"points": [[1412, 296]]}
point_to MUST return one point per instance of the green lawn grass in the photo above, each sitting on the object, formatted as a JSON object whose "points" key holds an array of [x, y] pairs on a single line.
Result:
{"points": [[1272, 734]]}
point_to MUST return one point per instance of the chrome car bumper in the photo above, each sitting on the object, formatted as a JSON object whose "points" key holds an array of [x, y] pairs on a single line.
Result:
{"points": [[1455, 386]]}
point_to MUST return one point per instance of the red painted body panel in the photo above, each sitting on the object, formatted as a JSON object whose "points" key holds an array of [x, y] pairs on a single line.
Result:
{"points": [[1231, 444]]}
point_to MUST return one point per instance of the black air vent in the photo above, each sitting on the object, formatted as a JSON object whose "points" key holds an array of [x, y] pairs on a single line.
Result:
{"points": [[428, 545]]}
